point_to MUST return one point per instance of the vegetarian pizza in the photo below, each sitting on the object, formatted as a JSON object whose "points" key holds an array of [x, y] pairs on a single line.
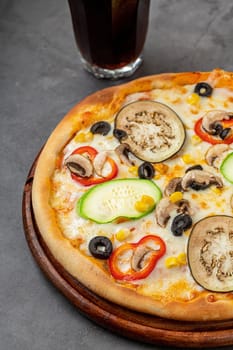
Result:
{"points": [[133, 194]]}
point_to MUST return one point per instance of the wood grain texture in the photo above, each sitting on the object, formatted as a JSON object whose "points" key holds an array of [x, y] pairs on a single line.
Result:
{"points": [[127, 323]]}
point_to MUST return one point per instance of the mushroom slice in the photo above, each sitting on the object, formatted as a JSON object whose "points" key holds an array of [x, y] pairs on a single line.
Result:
{"points": [[165, 207], [212, 117], [154, 132], [200, 180], [231, 202], [123, 151], [173, 186], [79, 165], [139, 257], [99, 161], [163, 211], [183, 206], [215, 152], [210, 253]]}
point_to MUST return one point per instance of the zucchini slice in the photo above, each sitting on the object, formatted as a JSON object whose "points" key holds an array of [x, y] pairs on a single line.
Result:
{"points": [[210, 248], [114, 199], [226, 167], [152, 130]]}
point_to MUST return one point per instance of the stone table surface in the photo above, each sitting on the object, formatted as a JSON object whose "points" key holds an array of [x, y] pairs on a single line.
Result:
{"points": [[41, 79]]}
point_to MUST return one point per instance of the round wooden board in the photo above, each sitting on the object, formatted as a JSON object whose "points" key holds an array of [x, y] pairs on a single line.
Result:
{"points": [[134, 325]]}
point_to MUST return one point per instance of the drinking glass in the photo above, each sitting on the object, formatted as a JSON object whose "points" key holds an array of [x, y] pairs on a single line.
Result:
{"points": [[110, 35]]}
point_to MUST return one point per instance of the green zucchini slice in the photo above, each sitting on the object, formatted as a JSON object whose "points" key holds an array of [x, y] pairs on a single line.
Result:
{"points": [[226, 168], [114, 199]]}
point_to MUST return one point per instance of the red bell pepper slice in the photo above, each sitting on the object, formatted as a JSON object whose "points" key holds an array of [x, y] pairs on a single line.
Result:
{"points": [[132, 275], [88, 181], [205, 136]]}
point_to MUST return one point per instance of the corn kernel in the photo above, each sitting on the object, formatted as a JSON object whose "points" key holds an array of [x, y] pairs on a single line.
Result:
{"points": [[122, 234], [193, 99], [187, 158], [144, 204], [181, 259], [176, 196], [161, 168], [216, 190], [195, 140], [133, 170], [84, 137], [170, 262]]}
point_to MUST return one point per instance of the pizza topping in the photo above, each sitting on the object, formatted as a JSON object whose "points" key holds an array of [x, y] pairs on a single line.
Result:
{"points": [[100, 247], [101, 128], [225, 133], [119, 134], [142, 258], [203, 89], [194, 167], [174, 185], [123, 152], [90, 153], [99, 162], [181, 223], [210, 253], [226, 167], [215, 127], [79, 165], [200, 180], [146, 171], [116, 199], [165, 208], [214, 153], [145, 203], [212, 118], [154, 131]]}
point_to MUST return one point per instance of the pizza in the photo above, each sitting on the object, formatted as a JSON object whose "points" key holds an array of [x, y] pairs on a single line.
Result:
{"points": [[133, 194]]}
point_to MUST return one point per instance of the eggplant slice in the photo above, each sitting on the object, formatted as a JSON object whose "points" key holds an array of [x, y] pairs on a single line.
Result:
{"points": [[154, 131], [210, 253]]}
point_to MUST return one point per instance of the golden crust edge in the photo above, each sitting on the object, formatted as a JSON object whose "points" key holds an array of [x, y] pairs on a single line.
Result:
{"points": [[105, 102]]}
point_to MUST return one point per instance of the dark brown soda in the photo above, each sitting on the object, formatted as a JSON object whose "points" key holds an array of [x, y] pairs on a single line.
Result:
{"points": [[110, 33]]}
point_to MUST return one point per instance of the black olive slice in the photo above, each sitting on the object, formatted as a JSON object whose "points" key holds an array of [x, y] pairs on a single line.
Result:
{"points": [[119, 134], [181, 223], [210, 253], [100, 247], [218, 128], [154, 132], [101, 128], [146, 171], [203, 89], [224, 133]]}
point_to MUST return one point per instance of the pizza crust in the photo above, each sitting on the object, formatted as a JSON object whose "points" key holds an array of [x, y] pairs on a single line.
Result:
{"points": [[103, 105]]}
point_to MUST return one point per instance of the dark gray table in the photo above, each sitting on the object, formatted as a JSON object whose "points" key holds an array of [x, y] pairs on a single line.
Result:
{"points": [[41, 79]]}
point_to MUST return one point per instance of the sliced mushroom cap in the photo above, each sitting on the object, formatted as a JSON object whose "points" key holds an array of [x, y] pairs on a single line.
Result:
{"points": [[165, 207], [212, 117], [154, 132], [173, 186], [200, 179], [163, 211], [123, 151], [79, 165], [215, 152], [99, 162], [183, 206], [139, 257]]}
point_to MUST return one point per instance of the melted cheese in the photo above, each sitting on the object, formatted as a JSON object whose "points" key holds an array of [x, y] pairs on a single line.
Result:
{"points": [[175, 282]]}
